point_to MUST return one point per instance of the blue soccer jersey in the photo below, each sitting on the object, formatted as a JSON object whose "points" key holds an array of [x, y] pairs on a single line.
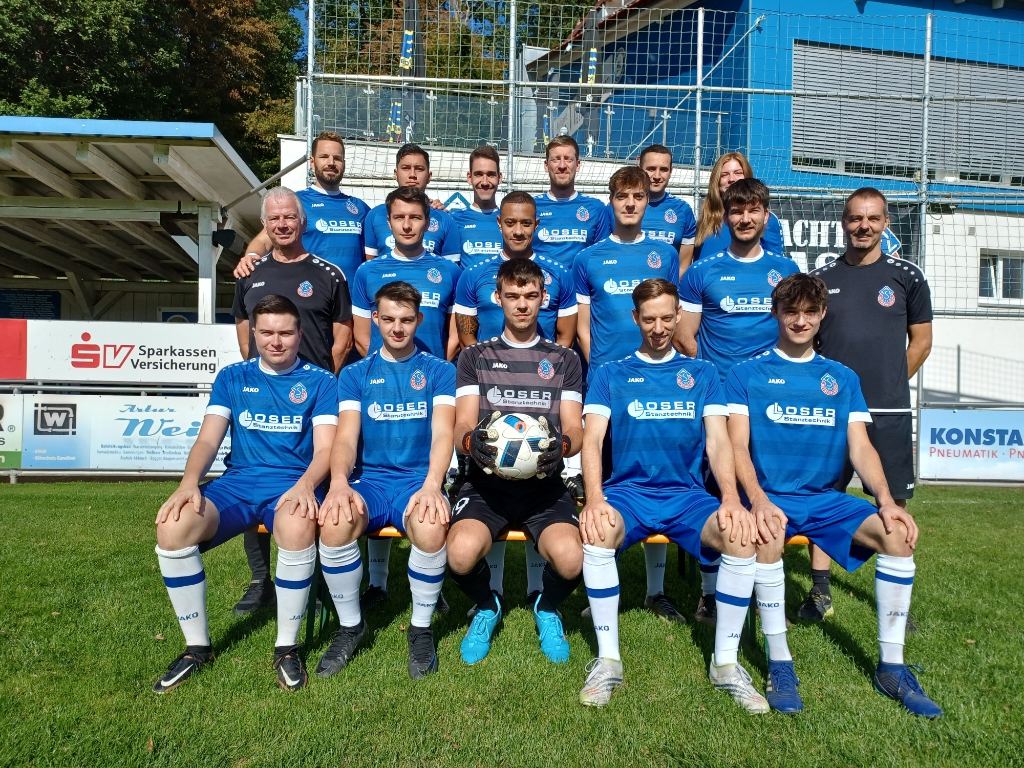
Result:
{"points": [[656, 410], [440, 239], [272, 414], [715, 243], [475, 297], [605, 275], [334, 227], [734, 298], [435, 278], [396, 401], [568, 225], [799, 411], [478, 234], [668, 219]]}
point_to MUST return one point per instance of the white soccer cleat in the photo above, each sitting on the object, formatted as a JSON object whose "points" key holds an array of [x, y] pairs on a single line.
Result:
{"points": [[736, 681], [604, 676]]}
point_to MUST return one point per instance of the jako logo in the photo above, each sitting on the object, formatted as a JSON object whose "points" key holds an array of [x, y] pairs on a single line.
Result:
{"points": [[93, 356], [59, 419]]}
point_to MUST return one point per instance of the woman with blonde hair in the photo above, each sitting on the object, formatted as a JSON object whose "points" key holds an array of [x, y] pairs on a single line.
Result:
{"points": [[712, 235]]}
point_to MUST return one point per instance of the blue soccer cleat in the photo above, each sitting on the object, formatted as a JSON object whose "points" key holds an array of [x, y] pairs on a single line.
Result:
{"points": [[477, 643], [552, 634], [781, 689], [897, 682]]}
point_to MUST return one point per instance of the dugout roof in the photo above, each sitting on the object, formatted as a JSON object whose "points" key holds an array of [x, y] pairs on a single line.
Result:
{"points": [[87, 201]]}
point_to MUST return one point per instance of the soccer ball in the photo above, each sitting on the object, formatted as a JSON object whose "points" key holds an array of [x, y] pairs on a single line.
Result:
{"points": [[520, 439]]}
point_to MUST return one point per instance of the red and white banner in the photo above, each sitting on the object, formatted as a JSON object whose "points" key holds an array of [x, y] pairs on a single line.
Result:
{"points": [[72, 351]]}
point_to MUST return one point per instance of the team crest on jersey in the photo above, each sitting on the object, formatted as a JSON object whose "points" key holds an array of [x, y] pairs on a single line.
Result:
{"points": [[418, 380], [653, 260], [546, 370], [670, 216], [684, 379], [352, 207], [298, 393], [434, 225], [305, 289], [582, 214], [774, 278], [886, 296], [547, 277], [829, 385], [434, 275]]}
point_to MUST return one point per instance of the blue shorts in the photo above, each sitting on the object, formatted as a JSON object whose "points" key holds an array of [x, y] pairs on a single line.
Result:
{"points": [[244, 501], [679, 514], [386, 499], [830, 520]]}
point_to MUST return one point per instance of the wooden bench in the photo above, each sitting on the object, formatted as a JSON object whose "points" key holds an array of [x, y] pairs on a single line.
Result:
{"points": [[316, 620]]}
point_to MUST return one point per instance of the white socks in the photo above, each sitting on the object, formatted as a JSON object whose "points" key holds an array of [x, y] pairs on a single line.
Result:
{"points": [[709, 577], [343, 571], [496, 564], [732, 599], [534, 569], [601, 577], [656, 557], [185, 580], [292, 579], [770, 584], [426, 574], [894, 581], [378, 556]]}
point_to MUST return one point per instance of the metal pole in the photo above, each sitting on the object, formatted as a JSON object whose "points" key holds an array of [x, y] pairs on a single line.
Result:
{"points": [[923, 247], [958, 373], [608, 130], [513, 117], [665, 115], [310, 41], [718, 141], [431, 98], [492, 101], [697, 127]]}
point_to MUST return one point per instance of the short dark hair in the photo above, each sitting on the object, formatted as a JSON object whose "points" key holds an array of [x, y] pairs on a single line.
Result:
{"points": [[799, 290], [485, 152], [746, 192], [869, 192], [630, 177], [655, 149], [276, 305], [652, 288], [327, 136], [409, 195], [411, 149], [519, 197], [519, 272], [562, 141], [399, 292]]}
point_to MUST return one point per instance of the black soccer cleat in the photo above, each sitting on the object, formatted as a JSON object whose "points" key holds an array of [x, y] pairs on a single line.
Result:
{"points": [[261, 593], [291, 670], [663, 607], [442, 608], [182, 668], [422, 654], [707, 610], [341, 650], [371, 598], [817, 607]]}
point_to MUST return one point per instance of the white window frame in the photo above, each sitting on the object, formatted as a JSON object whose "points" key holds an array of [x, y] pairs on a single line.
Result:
{"points": [[997, 278]]}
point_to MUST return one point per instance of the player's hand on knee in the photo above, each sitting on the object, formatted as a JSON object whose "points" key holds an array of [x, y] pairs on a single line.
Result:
{"points": [[893, 513], [300, 498], [769, 520], [341, 502], [596, 521], [736, 522], [429, 504], [171, 509]]}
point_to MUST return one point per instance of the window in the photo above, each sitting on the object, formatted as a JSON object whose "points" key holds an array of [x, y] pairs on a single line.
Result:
{"points": [[1001, 279]]}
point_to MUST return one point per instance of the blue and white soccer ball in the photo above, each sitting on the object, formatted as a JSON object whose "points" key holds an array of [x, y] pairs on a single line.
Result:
{"points": [[520, 439]]}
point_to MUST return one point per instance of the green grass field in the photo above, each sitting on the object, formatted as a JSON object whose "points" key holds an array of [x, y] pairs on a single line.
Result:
{"points": [[85, 627]]}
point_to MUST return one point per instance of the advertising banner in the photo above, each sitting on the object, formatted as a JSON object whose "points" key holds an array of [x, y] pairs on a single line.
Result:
{"points": [[112, 432], [965, 444], [10, 431], [73, 351]]}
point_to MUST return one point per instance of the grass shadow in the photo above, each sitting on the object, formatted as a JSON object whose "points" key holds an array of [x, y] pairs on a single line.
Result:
{"points": [[245, 626]]}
